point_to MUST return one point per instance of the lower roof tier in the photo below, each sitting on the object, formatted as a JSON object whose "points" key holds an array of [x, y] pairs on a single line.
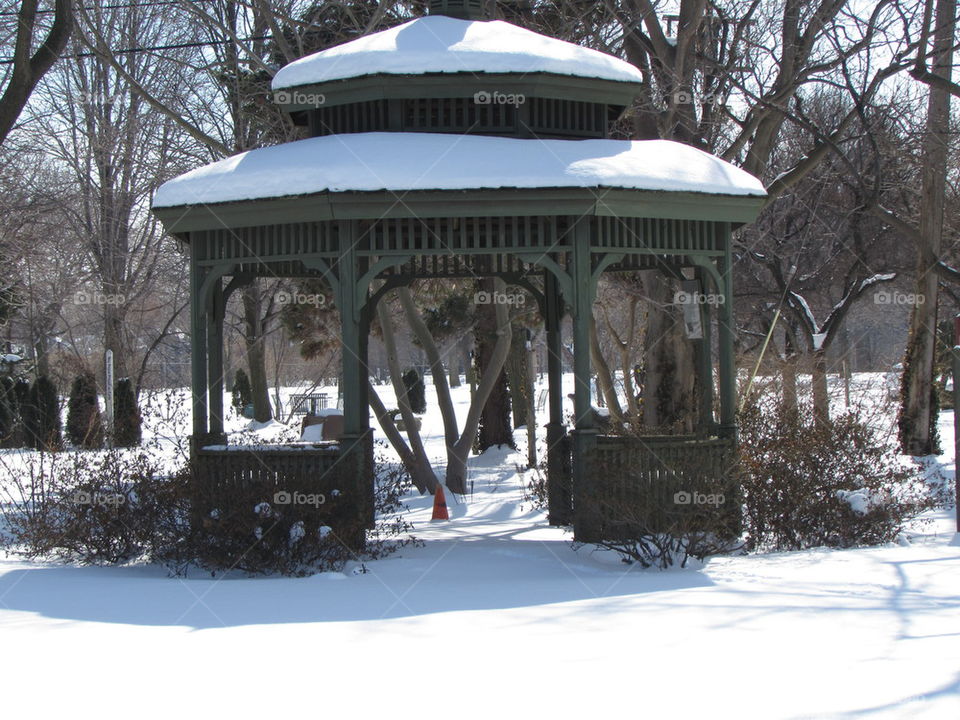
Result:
{"points": [[407, 162]]}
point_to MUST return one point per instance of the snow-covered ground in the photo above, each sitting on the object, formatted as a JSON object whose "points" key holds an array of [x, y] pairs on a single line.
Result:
{"points": [[496, 616]]}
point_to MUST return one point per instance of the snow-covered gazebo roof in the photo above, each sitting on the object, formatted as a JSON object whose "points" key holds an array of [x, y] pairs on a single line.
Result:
{"points": [[440, 44], [364, 162]]}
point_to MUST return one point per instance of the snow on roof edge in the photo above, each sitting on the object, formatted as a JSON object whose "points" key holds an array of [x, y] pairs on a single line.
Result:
{"points": [[431, 161]]}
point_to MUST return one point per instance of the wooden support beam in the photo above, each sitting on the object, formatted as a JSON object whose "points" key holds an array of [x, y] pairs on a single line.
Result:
{"points": [[586, 516], [559, 498], [726, 337], [198, 344], [214, 321]]}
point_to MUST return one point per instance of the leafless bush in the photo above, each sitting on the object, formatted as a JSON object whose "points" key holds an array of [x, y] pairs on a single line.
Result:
{"points": [[535, 489], [78, 505], [117, 506], [837, 484]]}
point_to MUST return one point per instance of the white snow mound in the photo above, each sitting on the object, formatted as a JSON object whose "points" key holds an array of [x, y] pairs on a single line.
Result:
{"points": [[434, 161], [439, 44]]}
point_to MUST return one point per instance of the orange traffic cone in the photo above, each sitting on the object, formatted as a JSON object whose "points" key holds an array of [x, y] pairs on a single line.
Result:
{"points": [[440, 505]]}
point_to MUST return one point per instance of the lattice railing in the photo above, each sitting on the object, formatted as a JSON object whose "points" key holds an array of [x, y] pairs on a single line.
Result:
{"points": [[651, 482]]}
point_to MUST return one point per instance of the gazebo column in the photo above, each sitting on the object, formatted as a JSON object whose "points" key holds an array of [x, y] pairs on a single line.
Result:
{"points": [[705, 358], [198, 347], [559, 500], [586, 522], [214, 323], [356, 443], [726, 334]]}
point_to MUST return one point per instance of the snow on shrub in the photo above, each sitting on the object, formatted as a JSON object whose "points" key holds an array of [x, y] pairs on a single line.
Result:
{"points": [[123, 505], [839, 484]]}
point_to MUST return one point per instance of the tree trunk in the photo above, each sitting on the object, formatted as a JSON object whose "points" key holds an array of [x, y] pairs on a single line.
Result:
{"points": [[918, 412], [604, 377], [517, 377], [256, 355], [469, 372], [457, 455], [32, 58], [626, 369], [415, 458], [421, 473], [454, 369], [669, 397], [495, 419], [113, 340], [821, 397]]}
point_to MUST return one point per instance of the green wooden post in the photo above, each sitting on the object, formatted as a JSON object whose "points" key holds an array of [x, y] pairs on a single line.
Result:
{"points": [[198, 344], [214, 321], [356, 443], [559, 500], [586, 520], [352, 352], [727, 330], [705, 360]]}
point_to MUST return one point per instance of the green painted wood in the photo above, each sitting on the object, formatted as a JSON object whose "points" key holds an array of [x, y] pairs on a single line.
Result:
{"points": [[462, 9], [394, 242], [304, 99], [559, 473], [601, 202], [353, 349], [198, 334], [214, 321], [583, 289], [726, 335], [705, 360], [536, 117], [637, 478]]}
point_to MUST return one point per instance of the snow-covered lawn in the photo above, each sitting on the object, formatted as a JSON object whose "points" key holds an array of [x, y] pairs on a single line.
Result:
{"points": [[496, 616]]}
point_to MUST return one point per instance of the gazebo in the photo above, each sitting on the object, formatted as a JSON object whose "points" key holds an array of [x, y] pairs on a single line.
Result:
{"points": [[452, 146]]}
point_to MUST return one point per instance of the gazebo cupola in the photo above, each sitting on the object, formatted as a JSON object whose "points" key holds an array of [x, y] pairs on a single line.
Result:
{"points": [[454, 146], [449, 72]]}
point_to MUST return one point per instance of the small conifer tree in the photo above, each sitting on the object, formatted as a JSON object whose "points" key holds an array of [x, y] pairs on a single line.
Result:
{"points": [[84, 421]]}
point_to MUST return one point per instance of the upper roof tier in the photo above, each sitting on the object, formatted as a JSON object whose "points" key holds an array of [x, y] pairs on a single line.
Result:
{"points": [[440, 44]]}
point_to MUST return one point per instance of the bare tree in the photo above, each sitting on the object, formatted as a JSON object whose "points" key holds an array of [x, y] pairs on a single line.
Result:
{"points": [[112, 145], [729, 78], [918, 413], [32, 59]]}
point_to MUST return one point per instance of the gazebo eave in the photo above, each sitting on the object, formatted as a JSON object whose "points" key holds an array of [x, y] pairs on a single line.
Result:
{"points": [[455, 84], [602, 202]]}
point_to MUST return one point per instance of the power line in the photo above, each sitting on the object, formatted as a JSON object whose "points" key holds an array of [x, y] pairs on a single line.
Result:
{"points": [[134, 51], [109, 7]]}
